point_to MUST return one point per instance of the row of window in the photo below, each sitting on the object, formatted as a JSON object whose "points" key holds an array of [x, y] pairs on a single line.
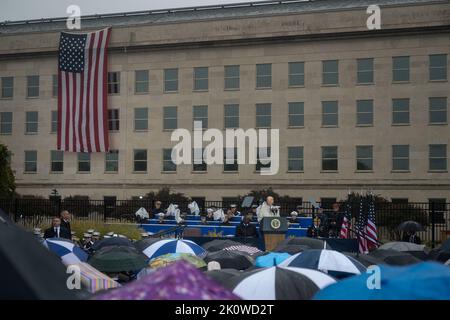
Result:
{"points": [[437, 159], [437, 110], [437, 70]]}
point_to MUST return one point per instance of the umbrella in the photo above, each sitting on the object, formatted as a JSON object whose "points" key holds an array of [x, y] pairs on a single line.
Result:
{"points": [[169, 258], [29, 271], [118, 259], [291, 248], [178, 281], [393, 257], [410, 225], [172, 246], [217, 245], [271, 259], [305, 241], [222, 276], [230, 259], [366, 259], [113, 241], [445, 246], [244, 249], [329, 261], [143, 244], [274, 283], [93, 280], [417, 250], [66, 250], [438, 255], [422, 281]]}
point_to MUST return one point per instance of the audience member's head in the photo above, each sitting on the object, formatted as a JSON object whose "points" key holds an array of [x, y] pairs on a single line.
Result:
{"points": [[158, 204], [65, 215], [336, 206], [56, 222]]}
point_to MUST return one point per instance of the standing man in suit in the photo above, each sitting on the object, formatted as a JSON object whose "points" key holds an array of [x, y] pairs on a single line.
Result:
{"points": [[56, 230], [65, 220]]}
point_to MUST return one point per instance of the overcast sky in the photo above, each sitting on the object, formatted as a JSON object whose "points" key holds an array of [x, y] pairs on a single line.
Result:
{"points": [[36, 9]]}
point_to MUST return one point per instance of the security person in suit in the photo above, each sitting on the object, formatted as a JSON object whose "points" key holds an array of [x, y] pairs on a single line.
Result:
{"points": [[57, 231], [65, 220]]}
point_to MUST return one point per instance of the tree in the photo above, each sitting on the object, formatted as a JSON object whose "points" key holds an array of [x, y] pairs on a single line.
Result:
{"points": [[7, 180], [167, 196]]}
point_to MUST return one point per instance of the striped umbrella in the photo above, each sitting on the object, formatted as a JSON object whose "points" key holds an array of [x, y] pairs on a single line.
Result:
{"points": [[331, 262], [66, 250], [173, 246], [93, 280], [276, 283]]}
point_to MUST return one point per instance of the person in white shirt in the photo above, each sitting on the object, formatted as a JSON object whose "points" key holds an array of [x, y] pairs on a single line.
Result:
{"points": [[265, 209]]}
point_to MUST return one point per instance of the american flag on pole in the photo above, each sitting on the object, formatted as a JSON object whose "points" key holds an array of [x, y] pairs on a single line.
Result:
{"points": [[82, 92], [371, 228], [362, 221]]}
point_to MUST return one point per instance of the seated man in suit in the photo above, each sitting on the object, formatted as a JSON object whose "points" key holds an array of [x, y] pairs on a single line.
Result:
{"points": [[57, 231], [246, 229]]}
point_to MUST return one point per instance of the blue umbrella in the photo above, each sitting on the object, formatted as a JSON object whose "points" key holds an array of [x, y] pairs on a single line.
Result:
{"points": [[422, 281], [271, 259], [66, 250], [173, 246]]}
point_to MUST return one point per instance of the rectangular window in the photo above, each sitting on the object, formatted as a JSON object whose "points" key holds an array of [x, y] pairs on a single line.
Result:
{"points": [[113, 120], [112, 161], [200, 113], [400, 157], [54, 124], [232, 77], [201, 78], [32, 86], [230, 167], [400, 69], [168, 165], [330, 158], [113, 82], [31, 161], [231, 116], [84, 162], [263, 115], [400, 111], [55, 85], [140, 119], [7, 87], [364, 158], [330, 72], [170, 121], [140, 160], [31, 124], [6, 119], [438, 157], [330, 116], [438, 67], [170, 80], [438, 110], [365, 71], [198, 167], [364, 112], [262, 158], [296, 114], [141, 81], [264, 76], [295, 158], [296, 74], [57, 161]]}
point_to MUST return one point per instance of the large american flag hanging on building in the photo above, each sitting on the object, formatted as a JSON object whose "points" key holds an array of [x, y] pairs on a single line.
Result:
{"points": [[82, 92]]}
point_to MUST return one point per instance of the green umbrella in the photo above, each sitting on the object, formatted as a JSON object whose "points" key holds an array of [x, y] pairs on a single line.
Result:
{"points": [[169, 258], [118, 259]]}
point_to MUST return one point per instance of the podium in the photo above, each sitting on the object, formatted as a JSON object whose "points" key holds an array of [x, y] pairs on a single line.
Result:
{"points": [[274, 231]]}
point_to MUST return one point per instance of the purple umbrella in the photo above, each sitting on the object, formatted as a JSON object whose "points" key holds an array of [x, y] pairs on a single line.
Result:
{"points": [[178, 281]]}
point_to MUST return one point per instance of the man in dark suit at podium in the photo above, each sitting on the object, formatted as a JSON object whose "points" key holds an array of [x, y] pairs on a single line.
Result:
{"points": [[56, 230]]}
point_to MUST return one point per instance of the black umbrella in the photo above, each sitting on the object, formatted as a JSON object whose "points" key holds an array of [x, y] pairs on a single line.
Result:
{"points": [[291, 248], [273, 284], [230, 259], [217, 245], [114, 241], [118, 259], [445, 246], [143, 244], [28, 269], [393, 257], [222, 276], [365, 259], [310, 242], [411, 226], [438, 255]]}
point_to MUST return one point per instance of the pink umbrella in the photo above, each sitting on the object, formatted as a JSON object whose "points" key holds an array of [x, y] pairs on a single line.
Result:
{"points": [[178, 281]]}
